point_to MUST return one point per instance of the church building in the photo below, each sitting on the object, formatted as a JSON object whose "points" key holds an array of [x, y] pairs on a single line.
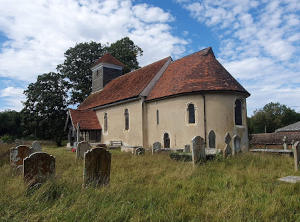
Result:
{"points": [[167, 101]]}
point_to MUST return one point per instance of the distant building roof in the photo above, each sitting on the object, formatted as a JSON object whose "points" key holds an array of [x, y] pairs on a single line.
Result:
{"points": [[274, 138], [108, 58], [290, 128], [87, 119]]}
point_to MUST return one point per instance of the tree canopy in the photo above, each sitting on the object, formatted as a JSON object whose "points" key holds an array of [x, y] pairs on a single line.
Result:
{"points": [[271, 117], [45, 107], [80, 58]]}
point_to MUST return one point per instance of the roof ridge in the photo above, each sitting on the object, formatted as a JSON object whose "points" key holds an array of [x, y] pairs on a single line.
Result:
{"points": [[208, 49]]}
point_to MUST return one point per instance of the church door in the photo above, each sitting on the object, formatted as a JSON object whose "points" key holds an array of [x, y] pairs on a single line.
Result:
{"points": [[166, 140]]}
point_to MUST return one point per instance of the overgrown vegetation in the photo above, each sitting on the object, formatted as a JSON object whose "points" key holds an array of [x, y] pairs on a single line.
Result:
{"points": [[156, 188]]}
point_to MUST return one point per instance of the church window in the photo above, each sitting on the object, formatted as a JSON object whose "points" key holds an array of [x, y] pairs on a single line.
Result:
{"points": [[191, 113], [212, 139], [238, 112], [105, 122], [157, 117], [126, 114]]}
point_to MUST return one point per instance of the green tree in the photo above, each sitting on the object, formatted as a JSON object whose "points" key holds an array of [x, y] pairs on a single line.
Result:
{"points": [[11, 123], [45, 107], [79, 59], [76, 68], [127, 52], [271, 117]]}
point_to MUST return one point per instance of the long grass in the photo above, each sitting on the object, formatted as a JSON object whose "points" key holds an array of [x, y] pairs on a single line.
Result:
{"points": [[156, 188]]}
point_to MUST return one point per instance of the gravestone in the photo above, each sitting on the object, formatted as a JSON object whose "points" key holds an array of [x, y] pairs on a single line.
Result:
{"points": [[296, 151], [38, 167], [96, 170], [236, 144], [227, 150], [198, 149], [36, 147], [290, 179], [17, 154], [284, 143], [82, 147], [156, 147], [139, 151], [187, 148]]}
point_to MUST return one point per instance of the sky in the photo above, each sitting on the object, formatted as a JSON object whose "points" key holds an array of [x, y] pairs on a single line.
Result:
{"points": [[257, 41]]}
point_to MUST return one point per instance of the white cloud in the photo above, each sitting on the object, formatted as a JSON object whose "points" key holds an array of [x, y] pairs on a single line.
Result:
{"points": [[259, 45], [12, 98], [39, 32]]}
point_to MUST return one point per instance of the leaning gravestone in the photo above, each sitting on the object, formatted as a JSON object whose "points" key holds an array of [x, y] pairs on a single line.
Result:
{"points": [[17, 154], [156, 147], [96, 170], [296, 151], [284, 143], [36, 147], [227, 150], [38, 167], [82, 147], [198, 149]]}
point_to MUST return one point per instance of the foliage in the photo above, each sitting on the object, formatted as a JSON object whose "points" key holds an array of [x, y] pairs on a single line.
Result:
{"points": [[80, 58], [76, 68], [45, 107], [156, 188], [11, 123], [271, 117], [7, 139], [127, 52]]}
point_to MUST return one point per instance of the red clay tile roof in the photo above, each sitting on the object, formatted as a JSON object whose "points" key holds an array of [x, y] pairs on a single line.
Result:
{"points": [[126, 86], [196, 72], [273, 138], [87, 119], [108, 58]]}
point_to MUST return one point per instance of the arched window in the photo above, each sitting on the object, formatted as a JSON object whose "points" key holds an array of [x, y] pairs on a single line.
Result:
{"points": [[126, 114], [105, 122], [238, 112], [157, 117], [166, 140], [191, 113], [212, 139]]}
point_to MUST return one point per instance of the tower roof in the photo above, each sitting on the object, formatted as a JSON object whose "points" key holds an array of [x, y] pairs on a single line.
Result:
{"points": [[109, 59]]}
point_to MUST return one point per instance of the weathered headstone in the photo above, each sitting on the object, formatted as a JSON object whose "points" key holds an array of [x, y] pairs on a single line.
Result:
{"points": [[139, 151], [82, 147], [36, 147], [290, 179], [296, 151], [198, 149], [156, 147], [284, 143], [227, 150], [187, 148], [17, 154], [96, 170], [38, 167]]}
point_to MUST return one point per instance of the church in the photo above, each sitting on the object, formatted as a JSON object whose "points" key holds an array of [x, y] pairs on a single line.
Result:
{"points": [[167, 101]]}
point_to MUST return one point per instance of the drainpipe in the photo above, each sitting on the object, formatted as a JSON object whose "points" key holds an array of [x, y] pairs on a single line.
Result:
{"points": [[204, 116]]}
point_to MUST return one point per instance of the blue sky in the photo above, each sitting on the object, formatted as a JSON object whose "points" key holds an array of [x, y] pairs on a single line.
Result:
{"points": [[257, 41]]}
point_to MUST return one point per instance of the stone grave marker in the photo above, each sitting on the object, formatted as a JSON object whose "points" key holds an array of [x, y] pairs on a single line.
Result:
{"points": [[187, 148], [227, 150], [17, 154], [290, 179], [36, 147], [38, 167], [96, 170], [198, 150], [296, 151], [82, 147], [284, 143], [139, 151], [156, 147]]}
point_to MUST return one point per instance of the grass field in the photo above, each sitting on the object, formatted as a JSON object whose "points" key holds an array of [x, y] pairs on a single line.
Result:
{"points": [[156, 188]]}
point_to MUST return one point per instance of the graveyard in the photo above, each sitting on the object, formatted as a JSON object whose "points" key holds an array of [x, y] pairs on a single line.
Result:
{"points": [[154, 187]]}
